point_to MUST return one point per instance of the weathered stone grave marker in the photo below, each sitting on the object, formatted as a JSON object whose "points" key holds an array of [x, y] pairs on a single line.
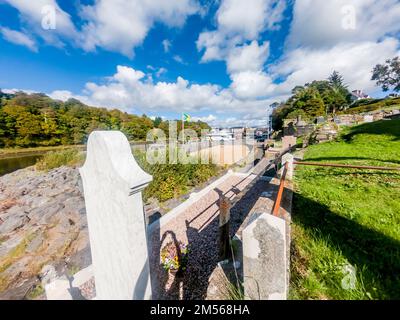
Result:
{"points": [[288, 142], [321, 120], [264, 259], [288, 158], [368, 118], [113, 184]]}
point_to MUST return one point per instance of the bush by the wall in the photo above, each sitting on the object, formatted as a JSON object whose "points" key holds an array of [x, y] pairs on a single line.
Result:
{"points": [[55, 159], [173, 180]]}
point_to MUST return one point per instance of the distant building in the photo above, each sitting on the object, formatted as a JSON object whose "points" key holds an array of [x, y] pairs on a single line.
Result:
{"points": [[393, 95], [220, 135], [359, 95], [238, 132]]}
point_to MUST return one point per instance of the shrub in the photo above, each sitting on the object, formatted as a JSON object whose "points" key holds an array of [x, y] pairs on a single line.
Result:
{"points": [[173, 180], [36, 292], [368, 105], [55, 159]]}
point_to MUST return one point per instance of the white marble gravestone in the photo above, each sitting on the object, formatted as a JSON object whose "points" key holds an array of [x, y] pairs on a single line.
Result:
{"points": [[113, 184], [288, 158]]}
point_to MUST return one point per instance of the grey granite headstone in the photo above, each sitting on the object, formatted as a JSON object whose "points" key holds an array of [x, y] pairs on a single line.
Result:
{"points": [[288, 142], [368, 118], [288, 158], [321, 120], [264, 259], [113, 184]]}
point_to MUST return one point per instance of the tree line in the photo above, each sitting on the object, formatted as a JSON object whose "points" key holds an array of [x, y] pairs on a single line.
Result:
{"points": [[317, 98], [31, 120]]}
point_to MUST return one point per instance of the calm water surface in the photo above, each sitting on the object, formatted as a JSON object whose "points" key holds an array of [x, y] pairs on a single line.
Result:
{"points": [[9, 165]]}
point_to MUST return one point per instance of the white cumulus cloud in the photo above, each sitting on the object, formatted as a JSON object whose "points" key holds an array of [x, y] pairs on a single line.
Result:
{"points": [[239, 21], [121, 25], [33, 13], [235, 41], [248, 19], [354, 61], [349, 36], [249, 57], [252, 84], [131, 90], [19, 38], [118, 25], [166, 45], [327, 23]]}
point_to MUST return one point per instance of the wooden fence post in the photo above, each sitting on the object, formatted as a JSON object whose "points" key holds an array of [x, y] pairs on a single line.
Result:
{"points": [[224, 221]]}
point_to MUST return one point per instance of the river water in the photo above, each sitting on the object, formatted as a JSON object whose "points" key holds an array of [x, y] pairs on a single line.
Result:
{"points": [[20, 161], [9, 165]]}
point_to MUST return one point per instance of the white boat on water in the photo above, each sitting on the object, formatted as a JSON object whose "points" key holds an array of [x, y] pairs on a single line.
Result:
{"points": [[221, 135]]}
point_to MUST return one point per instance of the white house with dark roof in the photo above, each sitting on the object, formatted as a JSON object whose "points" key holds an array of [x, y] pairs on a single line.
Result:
{"points": [[359, 95]]}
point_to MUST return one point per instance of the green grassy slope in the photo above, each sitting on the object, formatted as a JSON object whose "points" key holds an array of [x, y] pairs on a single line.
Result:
{"points": [[369, 105], [347, 221]]}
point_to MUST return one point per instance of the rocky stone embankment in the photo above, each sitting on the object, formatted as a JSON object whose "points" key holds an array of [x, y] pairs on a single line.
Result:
{"points": [[43, 230]]}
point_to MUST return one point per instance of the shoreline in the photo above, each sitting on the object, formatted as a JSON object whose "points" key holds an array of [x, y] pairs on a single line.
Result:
{"points": [[9, 153]]}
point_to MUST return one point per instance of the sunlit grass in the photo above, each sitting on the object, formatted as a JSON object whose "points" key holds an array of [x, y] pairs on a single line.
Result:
{"points": [[348, 217]]}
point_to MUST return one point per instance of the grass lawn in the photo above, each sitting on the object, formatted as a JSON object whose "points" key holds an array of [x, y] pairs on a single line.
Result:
{"points": [[346, 222]]}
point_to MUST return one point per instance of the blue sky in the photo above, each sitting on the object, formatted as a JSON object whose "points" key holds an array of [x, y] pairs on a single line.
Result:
{"points": [[221, 61]]}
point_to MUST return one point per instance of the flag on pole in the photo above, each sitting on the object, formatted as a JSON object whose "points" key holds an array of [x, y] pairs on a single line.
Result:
{"points": [[185, 117]]}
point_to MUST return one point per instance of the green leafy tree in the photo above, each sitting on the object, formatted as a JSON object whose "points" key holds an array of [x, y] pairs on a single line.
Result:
{"points": [[388, 75], [37, 120], [313, 99], [157, 121], [309, 99]]}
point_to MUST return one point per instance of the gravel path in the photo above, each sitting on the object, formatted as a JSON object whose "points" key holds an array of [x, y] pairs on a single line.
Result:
{"points": [[198, 226]]}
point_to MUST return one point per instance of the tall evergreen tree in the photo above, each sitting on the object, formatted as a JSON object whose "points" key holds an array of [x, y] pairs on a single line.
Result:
{"points": [[336, 80]]}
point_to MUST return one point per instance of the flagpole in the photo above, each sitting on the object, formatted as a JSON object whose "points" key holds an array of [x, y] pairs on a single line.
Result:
{"points": [[183, 129]]}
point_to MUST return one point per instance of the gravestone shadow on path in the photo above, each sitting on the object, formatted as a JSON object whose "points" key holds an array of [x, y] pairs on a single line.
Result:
{"points": [[203, 255]]}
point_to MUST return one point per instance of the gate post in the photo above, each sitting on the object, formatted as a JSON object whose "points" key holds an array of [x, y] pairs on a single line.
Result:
{"points": [[224, 221]]}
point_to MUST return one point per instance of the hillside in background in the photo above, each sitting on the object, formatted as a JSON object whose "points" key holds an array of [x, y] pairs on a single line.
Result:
{"points": [[368, 105], [328, 97], [31, 120]]}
